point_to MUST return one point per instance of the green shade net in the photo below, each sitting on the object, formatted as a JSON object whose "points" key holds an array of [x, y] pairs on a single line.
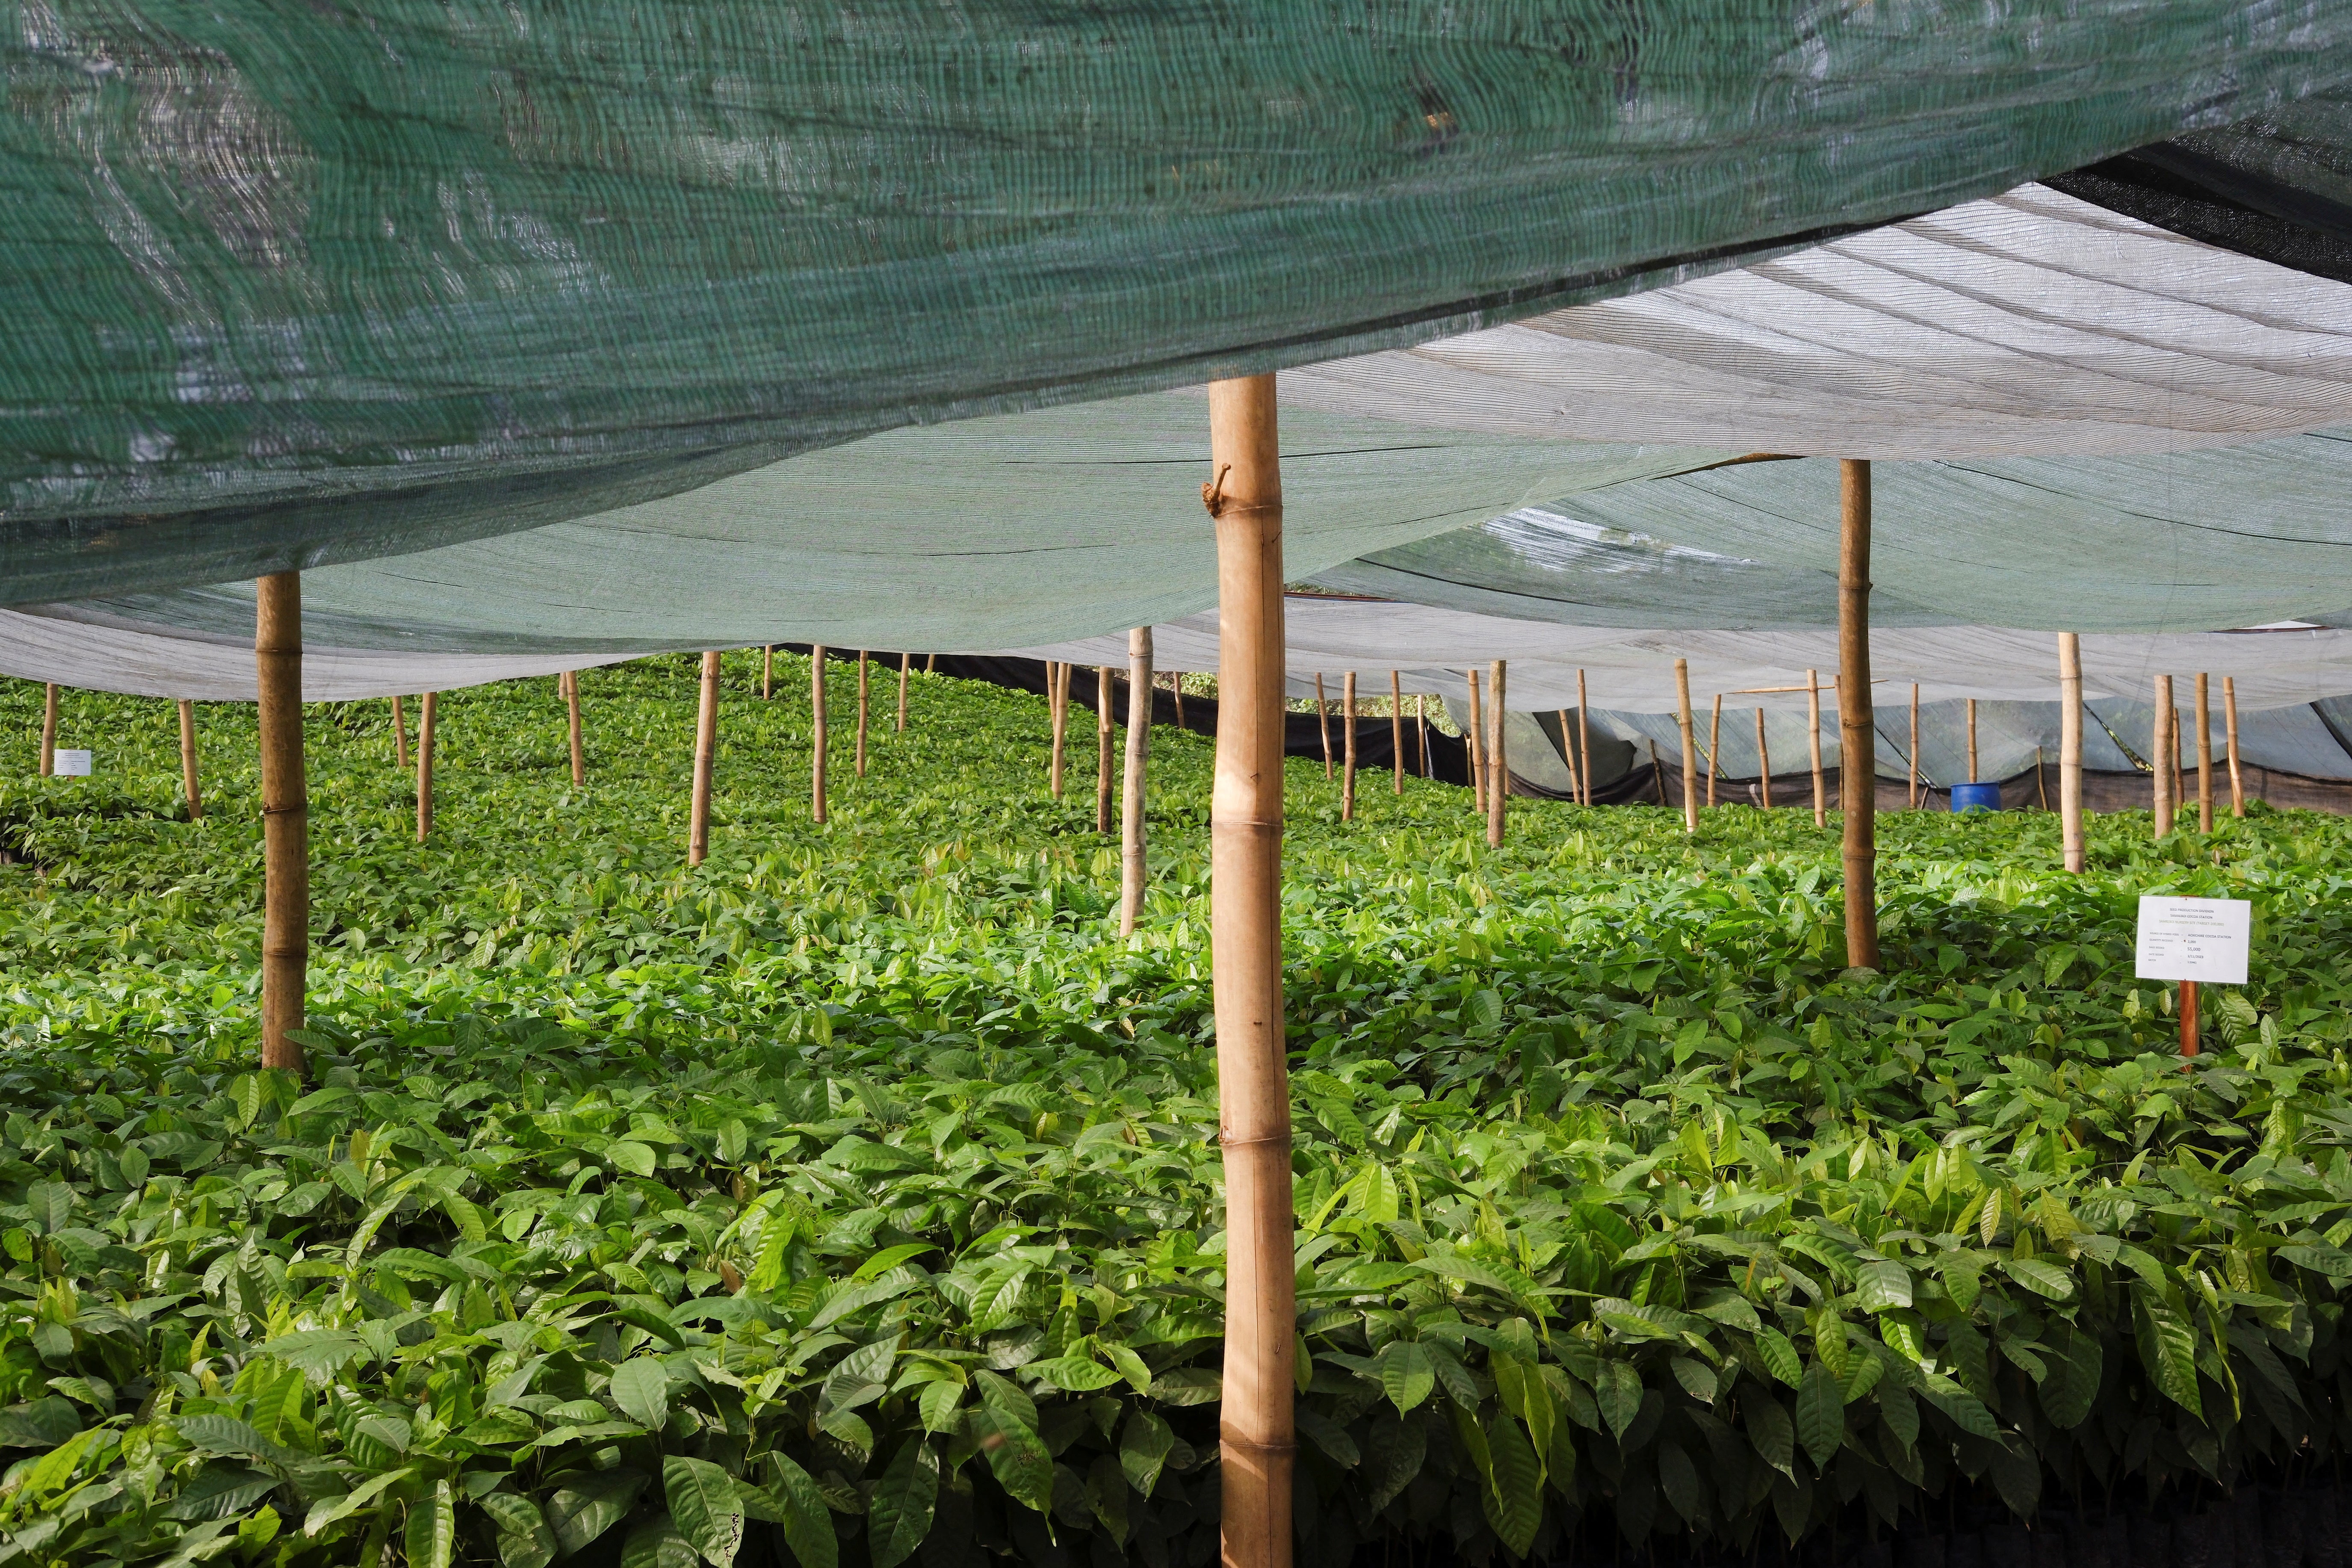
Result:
{"points": [[288, 285]]}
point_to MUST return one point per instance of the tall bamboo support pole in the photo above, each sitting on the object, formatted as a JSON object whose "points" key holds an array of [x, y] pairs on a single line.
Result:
{"points": [[820, 739], [399, 736], [1420, 724], [862, 674], [767, 672], [1568, 753], [1176, 679], [1498, 768], [428, 724], [2230, 718], [1857, 729], [1396, 727], [1584, 736], [1657, 773], [1323, 723], [572, 727], [1057, 685], [285, 817], [706, 763], [1714, 747], [906, 666], [1348, 747], [1255, 1425], [2165, 804], [2070, 748], [1915, 746], [930, 664], [1690, 745], [1972, 740], [1763, 761], [50, 729], [1103, 743], [1475, 734], [188, 759], [2204, 755], [1813, 713], [1138, 751]]}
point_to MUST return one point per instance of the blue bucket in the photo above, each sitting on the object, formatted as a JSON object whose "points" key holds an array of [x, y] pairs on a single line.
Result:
{"points": [[1975, 798]]}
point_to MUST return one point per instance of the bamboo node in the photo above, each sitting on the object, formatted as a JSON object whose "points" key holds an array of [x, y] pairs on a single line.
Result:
{"points": [[1280, 1140]]}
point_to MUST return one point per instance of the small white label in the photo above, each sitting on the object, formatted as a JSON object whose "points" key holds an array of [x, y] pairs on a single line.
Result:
{"points": [[2193, 939], [71, 764]]}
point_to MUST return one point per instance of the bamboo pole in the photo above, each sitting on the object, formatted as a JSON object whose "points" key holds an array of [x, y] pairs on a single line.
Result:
{"points": [[1498, 768], [1972, 740], [1058, 688], [1176, 679], [1915, 745], [188, 759], [399, 735], [2179, 779], [1475, 732], [906, 665], [2204, 755], [930, 664], [1690, 745], [1139, 750], [50, 729], [2165, 805], [1657, 773], [1584, 736], [1323, 722], [1102, 747], [1567, 752], [2188, 1010], [1714, 747], [428, 721], [1348, 747], [1256, 1422], [819, 738], [767, 672], [1420, 722], [572, 724], [285, 817], [1857, 776], [1396, 727], [706, 763], [1813, 710], [2070, 748], [862, 673], [2230, 718], [1763, 760]]}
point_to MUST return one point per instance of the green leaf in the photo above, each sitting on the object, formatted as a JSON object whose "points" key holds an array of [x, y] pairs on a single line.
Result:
{"points": [[328, 1510], [659, 1543], [2045, 1278], [808, 1523], [1144, 1445], [2076, 1368], [898, 1514], [588, 1505], [1618, 1391], [1771, 1432], [634, 1158], [1515, 1484], [524, 1540], [1073, 1372], [1820, 1413], [1679, 1479], [2331, 1261], [703, 1505], [1407, 1374], [431, 1538], [2168, 1348], [641, 1388], [1780, 1358], [1883, 1285], [1016, 1455]]}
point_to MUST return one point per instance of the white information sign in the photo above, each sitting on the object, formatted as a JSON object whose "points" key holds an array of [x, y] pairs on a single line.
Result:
{"points": [[71, 764], [2193, 939]]}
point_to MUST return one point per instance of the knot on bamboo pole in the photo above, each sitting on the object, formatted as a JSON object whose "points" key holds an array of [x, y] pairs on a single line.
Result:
{"points": [[1258, 1446], [1271, 1141]]}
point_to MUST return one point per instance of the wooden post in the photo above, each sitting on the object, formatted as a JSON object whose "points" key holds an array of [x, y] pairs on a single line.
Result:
{"points": [[1058, 688], [1476, 734], [1763, 761], [2070, 748], [2165, 804], [1498, 768], [572, 724], [930, 664], [767, 672], [285, 817], [819, 740], [2204, 756], [1139, 750], [906, 665], [1348, 748], [1857, 775], [860, 764], [2189, 1017], [1915, 745], [399, 736], [706, 763], [1567, 752], [2230, 718], [1972, 740], [1657, 773], [1813, 711], [1396, 726], [1256, 1422], [1690, 745], [1584, 736], [1176, 679], [1323, 722], [1420, 724], [188, 759], [1102, 747], [1714, 747], [50, 729], [428, 713]]}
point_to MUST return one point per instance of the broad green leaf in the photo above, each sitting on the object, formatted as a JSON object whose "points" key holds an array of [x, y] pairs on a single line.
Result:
{"points": [[898, 1514], [704, 1507], [1781, 1357], [659, 1543], [588, 1505], [641, 1388], [431, 1536], [1144, 1445], [634, 1158], [1407, 1374], [1515, 1482], [2168, 1348], [2073, 1386], [328, 1511], [1820, 1413], [808, 1523], [1618, 1391], [2045, 1278]]}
